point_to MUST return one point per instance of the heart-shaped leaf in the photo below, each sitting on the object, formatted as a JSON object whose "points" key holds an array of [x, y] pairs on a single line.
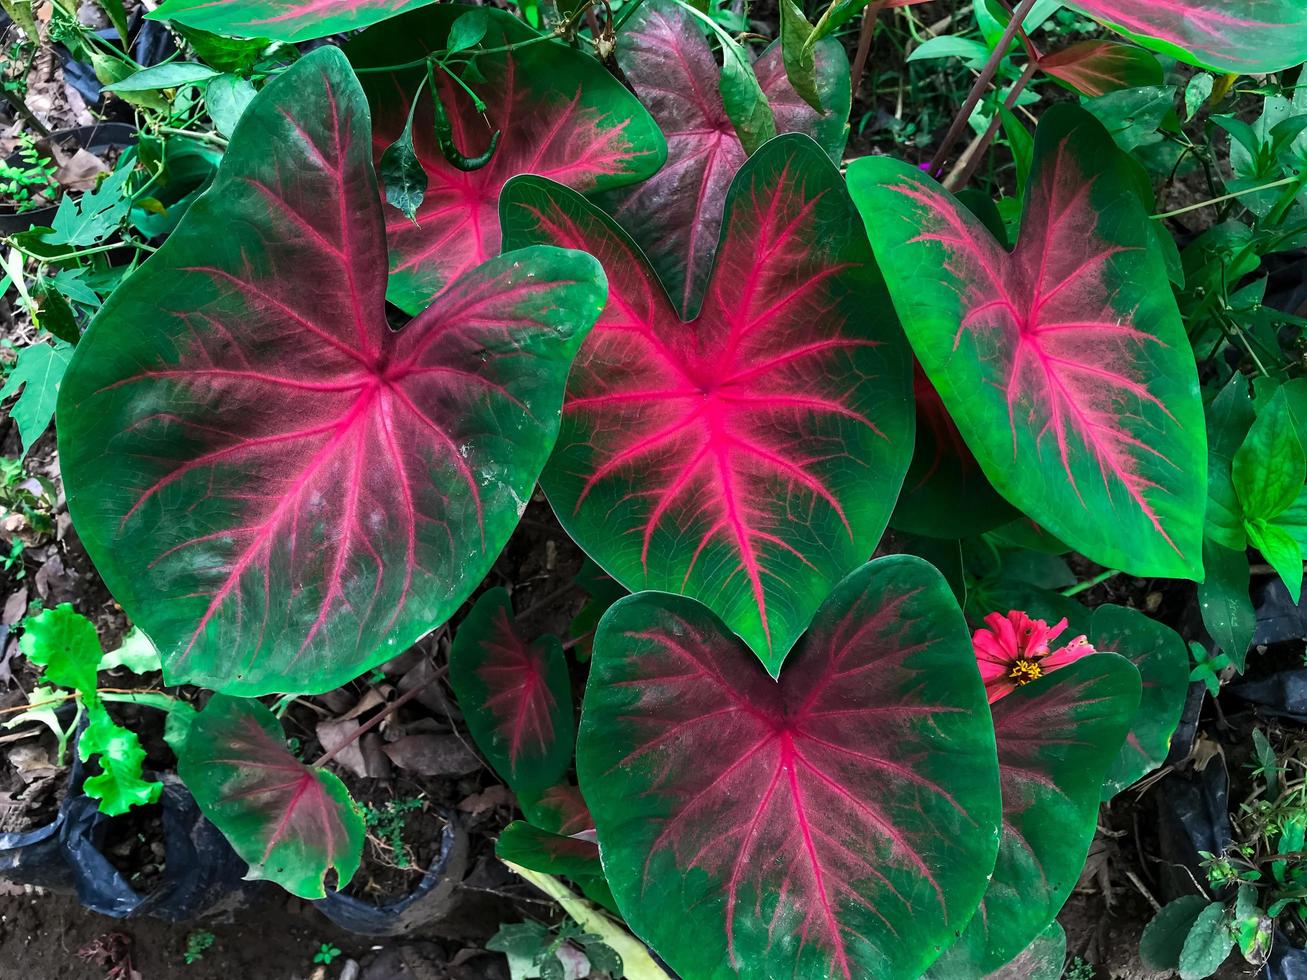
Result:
{"points": [[281, 20], [1243, 36], [282, 490], [749, 458], [516, 697], [676, 215], [838, 823], [551, 854], [1098, 67], [558, 113], [291, 823], [1163, 663], [1064, 363], [1056, 739]]}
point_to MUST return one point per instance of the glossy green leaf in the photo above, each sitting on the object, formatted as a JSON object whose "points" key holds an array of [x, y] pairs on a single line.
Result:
{"points": [[798, 56], [171, 74], [227, 97], [515, 696], [1064, 363], [551, 854], [1270, 467], [281, 20], [839, 822], [748, 458], [402, 173], [1225, 603], [291, 823], [1162, 659], [1281, 552], [95, 215], [1208, 944], [35, 379], [282, 490], [1057, 739], [1229, 417]]}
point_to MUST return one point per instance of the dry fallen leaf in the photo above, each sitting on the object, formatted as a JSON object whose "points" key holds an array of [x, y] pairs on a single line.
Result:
{"points": [[433, 755]]}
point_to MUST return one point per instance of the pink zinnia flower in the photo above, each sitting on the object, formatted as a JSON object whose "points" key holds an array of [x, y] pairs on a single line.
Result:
{"points": [[1014, 650]]}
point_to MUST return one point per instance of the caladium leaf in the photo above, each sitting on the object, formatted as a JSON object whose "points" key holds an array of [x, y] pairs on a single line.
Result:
{"points": [[1097, 67], [559, 809], [278, 487], [749, 458], [291, 823], [838, 823], [1162, 659], [515, 696], [1064, 363], [551, 854], [676, 215], [281, 20], [558, 111], [945, 494], [1056, 739], [1242, 36]]}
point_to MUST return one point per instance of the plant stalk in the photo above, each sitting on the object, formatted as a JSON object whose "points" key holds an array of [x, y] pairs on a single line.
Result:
{"points": [[379, 717], [978, 90], [1089, 583], [1226, 197], [870, 15], [970, 161]]}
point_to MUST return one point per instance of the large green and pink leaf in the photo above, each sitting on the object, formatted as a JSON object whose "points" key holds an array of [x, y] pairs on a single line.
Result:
{"points": [[1247, 37], [840, 822], [278, 487], [676, 215], [515, 696], [749, 458], [291, 823], [1162, 659], [1057, 737], [281, 20], [1064, 363], [559, 114]]}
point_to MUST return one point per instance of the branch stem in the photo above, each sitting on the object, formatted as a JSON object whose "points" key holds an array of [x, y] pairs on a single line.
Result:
{"points": [[970, 161], [379, 717], [1089, 583]]}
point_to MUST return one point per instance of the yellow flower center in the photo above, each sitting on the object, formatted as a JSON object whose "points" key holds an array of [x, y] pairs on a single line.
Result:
{"points": [[1025, 671]]}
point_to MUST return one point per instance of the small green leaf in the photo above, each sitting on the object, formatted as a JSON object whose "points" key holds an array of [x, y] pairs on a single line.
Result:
{"points": [[57, 316], [797, 53], [46, 701], [170, 75], [1281, 552], [1198, 91], [1134, 115], [1270, 467], [229, 54], [39, 372], [66, 645], [136, 653], [119, 785], [467, 30], [96, 215], [226, 97], [1163, 938], [1207, 945], [1224, 601]]}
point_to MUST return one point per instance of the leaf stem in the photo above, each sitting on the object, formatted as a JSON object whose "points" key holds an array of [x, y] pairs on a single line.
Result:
{"points": [[978, 90], [1225, 197], [213, 138], [970, 160], [1089, 583]]}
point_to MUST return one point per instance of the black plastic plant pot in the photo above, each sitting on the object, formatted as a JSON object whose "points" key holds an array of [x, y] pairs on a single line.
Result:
{"points": [[201, 873], [96, 139], [36, 856], [1286, 962], [429, 902]]}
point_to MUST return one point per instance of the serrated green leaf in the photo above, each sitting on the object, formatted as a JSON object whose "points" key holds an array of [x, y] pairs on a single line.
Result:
{"points": [[119, 785], [65, 644], [96, 214], [38, 373]]}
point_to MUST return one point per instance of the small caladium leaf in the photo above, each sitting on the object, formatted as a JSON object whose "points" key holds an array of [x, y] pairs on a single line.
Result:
{"points": [[676, 215], [1097, 67], [515, 696], [1057, 737], [551, 854], [559, 113], [1248, 37], [838, 823], [945, 494], [559, 809], [281, 20], [1064, 363], [282, 490], [291, 823], [750, 458], [1162, 659]]}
